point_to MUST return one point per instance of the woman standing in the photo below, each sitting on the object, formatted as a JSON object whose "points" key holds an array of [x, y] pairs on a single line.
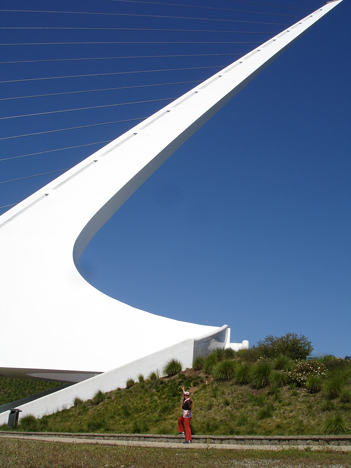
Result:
{"points": [[184, 421]]}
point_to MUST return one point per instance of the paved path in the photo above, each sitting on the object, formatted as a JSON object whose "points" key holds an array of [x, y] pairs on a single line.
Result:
{"points": [[108, 439]]}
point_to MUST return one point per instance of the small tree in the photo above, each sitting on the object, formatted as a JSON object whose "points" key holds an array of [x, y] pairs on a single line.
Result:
{"points": [[291, 345]]}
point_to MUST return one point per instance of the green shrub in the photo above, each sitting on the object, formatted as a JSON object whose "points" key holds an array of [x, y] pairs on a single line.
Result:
{"points": [[141, 378], [265, 412], [334, 385], [291, 345], [328, 406], [77, 402], [198, 363], [303, 370], [98, 398], [277, 379], [28, 423], [243, 374], [345, 395], [172, 367], [130, 383], [209, 363], [209, 405], [224, 370], [258, 400], [125, 412], [276, 392], [249, 355], [333, 363], [95, 425], [219, 352], [229, 353], [214, 391], [282, 362], [335, 425], [154, 376], [260, 374], [327, 357], [140, 427], [242, 420], [314, 384]]}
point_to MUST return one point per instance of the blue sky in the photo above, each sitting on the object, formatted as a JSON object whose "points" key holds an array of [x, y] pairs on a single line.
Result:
{"points": [[248, 223]]}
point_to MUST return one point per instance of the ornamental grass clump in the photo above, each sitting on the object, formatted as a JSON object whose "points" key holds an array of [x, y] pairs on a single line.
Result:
{"points": [[224, 370], [154, 376], [335, 425], [198, 363], [260, 374], [130, 383], [314, 384], [249, 355], [345, 395], [277, 379], [333, 363], [243, 374], [265, 412], [28, 423], [282, 362], [219, 352], [140, 427], [173, 367], [98, 398], [229, 353], [210, 362], [334, 385], [303, 370], [77, 402]]}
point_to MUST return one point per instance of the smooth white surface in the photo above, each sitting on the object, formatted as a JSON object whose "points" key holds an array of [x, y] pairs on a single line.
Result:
{"points": [[237, 346], [51, 317]]}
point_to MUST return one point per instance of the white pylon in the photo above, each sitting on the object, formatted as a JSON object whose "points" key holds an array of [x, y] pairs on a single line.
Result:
{"points": [[55, 324]]}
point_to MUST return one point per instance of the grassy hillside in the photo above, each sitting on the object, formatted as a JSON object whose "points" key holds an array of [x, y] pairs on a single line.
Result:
{"points": [[16, 389], [233, 393]]}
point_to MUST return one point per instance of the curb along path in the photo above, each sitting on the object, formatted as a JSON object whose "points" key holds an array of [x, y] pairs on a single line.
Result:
{"points": [[337, 443]]}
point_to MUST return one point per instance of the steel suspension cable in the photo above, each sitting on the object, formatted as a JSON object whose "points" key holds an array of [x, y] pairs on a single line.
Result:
{"points": [[38, 153], [271, 5], [116, 73], [206, 7], [23, 80], [71, 128], [123, 42], [34, 175], [121, 57], [66, 28], [98, 90], [62, 111], [8, 206], [227, 20]]}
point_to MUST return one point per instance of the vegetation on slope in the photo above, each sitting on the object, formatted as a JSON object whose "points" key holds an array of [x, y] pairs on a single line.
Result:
{"points": [[234, 393], [12, 389]]}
